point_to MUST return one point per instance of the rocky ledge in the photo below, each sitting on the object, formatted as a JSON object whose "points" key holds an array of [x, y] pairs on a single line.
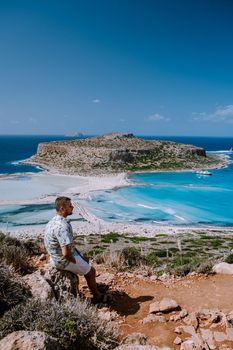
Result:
{"points": [[117, 152]]}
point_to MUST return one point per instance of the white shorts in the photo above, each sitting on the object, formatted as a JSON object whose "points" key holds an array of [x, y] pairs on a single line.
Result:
{"points": [[80, 268]]}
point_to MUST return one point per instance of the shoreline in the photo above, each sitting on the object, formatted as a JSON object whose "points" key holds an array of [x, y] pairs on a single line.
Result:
{"points": [[129, 229], [87, 184]]}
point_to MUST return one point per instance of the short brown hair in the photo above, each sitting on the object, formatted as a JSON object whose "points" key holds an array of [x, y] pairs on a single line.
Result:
{"points": [[61, 202]]}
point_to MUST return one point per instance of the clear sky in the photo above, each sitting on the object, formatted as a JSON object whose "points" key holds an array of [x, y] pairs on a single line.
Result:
{"points": [[151, 67]]}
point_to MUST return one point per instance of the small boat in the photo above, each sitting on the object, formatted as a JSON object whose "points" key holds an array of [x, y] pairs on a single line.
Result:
{"points": [[203, 172]]}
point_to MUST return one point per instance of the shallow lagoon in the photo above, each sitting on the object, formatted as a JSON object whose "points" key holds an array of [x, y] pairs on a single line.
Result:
{"points": [[181, 198]]}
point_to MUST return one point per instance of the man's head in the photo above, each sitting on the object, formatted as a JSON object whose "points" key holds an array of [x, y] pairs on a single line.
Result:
{"points": [[64, 206]]}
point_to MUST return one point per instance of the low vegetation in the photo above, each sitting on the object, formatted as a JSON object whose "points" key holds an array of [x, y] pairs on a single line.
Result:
{"points": [[12, 290], [75, 324]]}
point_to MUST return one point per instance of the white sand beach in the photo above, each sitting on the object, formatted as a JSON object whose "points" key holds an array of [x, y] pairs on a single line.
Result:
{"points": [[39, 188]]}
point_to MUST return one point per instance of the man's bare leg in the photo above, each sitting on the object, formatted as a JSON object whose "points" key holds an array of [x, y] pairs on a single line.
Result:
{"points": [[91, 282]]}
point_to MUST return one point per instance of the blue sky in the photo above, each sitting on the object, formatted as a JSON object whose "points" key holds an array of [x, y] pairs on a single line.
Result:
{"points": [[151, 67]]}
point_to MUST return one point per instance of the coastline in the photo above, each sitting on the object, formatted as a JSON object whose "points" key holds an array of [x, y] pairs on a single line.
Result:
{"points": [[87, 184]]}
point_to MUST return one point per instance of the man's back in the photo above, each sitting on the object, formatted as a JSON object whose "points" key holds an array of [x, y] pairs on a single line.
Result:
{"points": [[58, 233]]}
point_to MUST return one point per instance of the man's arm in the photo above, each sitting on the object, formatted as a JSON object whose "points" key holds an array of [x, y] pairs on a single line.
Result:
{"points": [[66, 252]]}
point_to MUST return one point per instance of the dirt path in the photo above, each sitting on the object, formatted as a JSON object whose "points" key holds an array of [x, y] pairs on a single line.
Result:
{"points": [[132, 297]]}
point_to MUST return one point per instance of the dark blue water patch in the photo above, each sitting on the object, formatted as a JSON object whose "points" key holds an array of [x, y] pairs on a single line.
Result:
{"points": [[29, 208], [19, 147]]}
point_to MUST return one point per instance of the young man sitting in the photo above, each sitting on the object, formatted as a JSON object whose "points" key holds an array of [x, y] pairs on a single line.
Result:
{"points": [[58, 241]]}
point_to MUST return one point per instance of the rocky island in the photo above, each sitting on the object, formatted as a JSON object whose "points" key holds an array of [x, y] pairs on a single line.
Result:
{"points": [[120, 152]]}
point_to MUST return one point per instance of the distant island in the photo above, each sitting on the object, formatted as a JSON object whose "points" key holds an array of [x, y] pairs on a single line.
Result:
{"points": [[120, 152], [74, 134]]}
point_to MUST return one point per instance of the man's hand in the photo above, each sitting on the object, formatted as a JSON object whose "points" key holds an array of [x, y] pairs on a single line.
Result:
{"points": [[66, 252]]}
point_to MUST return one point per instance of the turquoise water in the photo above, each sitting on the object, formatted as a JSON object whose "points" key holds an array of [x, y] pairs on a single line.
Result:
{"points": [[182, 198], [167, 198]]}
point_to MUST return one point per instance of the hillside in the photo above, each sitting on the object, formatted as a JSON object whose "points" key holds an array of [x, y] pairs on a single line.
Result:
{"points": [[117, 152]]}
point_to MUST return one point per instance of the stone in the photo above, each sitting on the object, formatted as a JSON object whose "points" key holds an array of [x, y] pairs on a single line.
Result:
{"points": [[178, 330], [167, 305], [223, 268], [188, 345], [188, 329], [64, 283], [154, 307], [40, 288], [24, 340], [229, 334], [220, 336], [208, 336], [177, 341], [136, 338], [141, 347], [153, 318], [105, 278]]}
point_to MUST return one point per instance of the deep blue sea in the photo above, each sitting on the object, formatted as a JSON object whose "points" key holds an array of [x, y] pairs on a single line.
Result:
{"points": [[182, 198]]}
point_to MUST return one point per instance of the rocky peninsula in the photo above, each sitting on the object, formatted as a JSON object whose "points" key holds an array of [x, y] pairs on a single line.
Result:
{"points": [[120, 152]]}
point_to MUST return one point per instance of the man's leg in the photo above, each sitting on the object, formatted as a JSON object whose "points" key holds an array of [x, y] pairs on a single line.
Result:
{"points": [[91, 282]]}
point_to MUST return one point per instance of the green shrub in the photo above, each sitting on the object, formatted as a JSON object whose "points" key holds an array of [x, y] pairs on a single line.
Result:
{"points": [[151, 259], [229, 259], [75, 324], [137, 239], [12, 290], [110, 237], [131, 256]]}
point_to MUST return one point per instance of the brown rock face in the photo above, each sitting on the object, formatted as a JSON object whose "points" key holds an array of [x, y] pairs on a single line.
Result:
{"points": [[116, 152]]}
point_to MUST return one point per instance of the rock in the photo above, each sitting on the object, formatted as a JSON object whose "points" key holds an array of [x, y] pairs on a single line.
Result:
{"points": [[40, 288], [178, 317], [178, 330], [220, 336], [223, 268], [191, 320], [24, 340], [153, 318], [229, 334], [105, 278], [136, 338], [194, 343], [188, 345], [178, 341], [207, 317], [64, 283], [208, 336], [140, 347], [154, 307], [165, 305], [229, 318], [188, 329]]}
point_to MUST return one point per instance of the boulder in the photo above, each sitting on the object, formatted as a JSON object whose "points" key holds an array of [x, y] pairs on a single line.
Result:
{"points": [[40, 288], [165, 305], [24, 340], [223, 268], [63, 283], [153, 318]]}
